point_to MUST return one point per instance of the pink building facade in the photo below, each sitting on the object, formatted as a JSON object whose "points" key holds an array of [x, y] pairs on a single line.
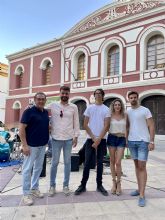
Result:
{"points": [[120, 47]]}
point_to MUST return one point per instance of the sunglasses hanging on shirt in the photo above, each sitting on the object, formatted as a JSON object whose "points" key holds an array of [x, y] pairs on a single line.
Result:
{"points": [[61, 114]]}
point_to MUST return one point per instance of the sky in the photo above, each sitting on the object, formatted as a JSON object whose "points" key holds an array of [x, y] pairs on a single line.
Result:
{"points": [[25, 23]]}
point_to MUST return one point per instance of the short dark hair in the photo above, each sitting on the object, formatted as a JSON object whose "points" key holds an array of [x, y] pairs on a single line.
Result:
{"points": [[65, 88], [39, 93], [133, 93], [101, 91]]}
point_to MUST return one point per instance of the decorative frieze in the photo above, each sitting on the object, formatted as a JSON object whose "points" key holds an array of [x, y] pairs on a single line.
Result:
{"points": [[153, 74], [117, 12], [111, 80], [78, 84]]}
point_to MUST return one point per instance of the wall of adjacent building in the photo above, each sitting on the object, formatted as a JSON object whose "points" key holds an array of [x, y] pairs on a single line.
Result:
{"points": [[3, 89]]}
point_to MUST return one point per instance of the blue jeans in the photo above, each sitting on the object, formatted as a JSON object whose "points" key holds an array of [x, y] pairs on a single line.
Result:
{"points": [[35, 161], [57, 145], [138, 150]]}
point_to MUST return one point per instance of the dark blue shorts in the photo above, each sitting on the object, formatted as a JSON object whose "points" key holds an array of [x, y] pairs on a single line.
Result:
{"points": [[115, 141]]}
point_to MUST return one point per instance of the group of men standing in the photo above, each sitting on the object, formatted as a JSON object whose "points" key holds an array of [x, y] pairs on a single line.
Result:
{"points": [[35, 128]]}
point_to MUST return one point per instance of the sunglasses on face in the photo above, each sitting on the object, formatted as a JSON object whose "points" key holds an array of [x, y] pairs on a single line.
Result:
{"points": [[61, 114]]}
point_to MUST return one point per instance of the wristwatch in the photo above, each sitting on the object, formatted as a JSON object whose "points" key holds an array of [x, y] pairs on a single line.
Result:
{"points": [[151, 142]]}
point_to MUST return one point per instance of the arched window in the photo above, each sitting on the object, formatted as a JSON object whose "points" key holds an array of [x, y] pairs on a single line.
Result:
{"points": [[16, 108], [113, 61], [19, 76], [46, 73], [155, 52], [81, 67]]}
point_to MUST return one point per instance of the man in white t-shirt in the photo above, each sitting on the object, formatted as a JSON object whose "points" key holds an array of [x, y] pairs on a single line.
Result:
{"points": [[140, 142], [96, 124]]}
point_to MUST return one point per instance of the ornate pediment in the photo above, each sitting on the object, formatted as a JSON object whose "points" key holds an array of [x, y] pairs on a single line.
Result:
{"points": [[115, 11]]}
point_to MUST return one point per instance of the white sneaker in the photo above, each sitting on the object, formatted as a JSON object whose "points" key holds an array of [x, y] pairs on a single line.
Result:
{"points": [[27, 200], [52, 191], [66, 191], [37, 193]]}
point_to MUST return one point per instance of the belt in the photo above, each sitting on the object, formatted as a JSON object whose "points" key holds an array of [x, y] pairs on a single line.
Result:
{"points": [[118, 134]]}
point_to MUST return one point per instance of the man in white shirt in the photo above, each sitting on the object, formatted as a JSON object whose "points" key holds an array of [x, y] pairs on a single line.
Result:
{"points": [[96, 124], [140, 141], [64, 132]]}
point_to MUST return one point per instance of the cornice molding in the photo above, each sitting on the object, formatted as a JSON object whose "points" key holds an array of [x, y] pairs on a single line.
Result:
{"points": [[113, 12]]}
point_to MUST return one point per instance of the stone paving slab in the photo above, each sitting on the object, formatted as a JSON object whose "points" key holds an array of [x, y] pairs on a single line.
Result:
{"points": [[89, 196], [91, 205], [6, 174]]}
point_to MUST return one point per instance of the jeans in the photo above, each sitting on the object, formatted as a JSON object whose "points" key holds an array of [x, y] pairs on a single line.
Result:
{"points": [[115, 141], [57, 145], [35, 161], [89, 151], [138, 150]]}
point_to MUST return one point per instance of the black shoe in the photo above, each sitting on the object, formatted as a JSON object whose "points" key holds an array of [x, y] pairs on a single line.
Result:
{"points": [[80, 190], [102, 190]]}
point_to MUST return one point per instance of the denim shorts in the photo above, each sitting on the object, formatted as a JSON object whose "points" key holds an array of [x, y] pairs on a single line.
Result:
{"points": [[115, 141], [138, 150]]}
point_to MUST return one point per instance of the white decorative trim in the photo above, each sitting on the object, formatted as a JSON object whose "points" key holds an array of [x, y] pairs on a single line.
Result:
{"points": [[78, 84], [127, 85], [31, 75], [143, 38], [68, 52], [112, 13], [109, 80], [17, 105], [153, 74], [62, 63], [66, 71], [34, 50], [86, 35], [79, 98], [151, 92], [114, 95], [74, 59], [131, 58], [9, 77], [94, 66], [95, 45], [19, 69], [44, 63], [131, 35], [104, 51], [31, 53]]}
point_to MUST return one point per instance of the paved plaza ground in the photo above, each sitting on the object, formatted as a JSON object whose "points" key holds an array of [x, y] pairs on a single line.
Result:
{"points": [[91, 205]]}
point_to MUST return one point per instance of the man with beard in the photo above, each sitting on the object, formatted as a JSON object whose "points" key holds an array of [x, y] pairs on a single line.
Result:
{"points": [[64, 132], [141, 134]]}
